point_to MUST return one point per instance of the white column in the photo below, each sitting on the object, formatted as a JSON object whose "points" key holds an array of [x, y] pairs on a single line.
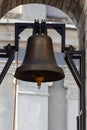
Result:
{"points": [[72, 100], [32, 107]]}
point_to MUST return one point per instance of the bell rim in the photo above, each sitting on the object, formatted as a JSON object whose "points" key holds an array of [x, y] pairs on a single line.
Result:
{"points": [[50, 75]]}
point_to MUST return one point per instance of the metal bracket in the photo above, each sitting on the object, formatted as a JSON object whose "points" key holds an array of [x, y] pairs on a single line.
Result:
{"points": [[79, 76], [7, 52], [60, 28]]}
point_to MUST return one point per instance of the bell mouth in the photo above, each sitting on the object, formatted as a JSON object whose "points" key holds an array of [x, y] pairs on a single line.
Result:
{"points": [[47, 76]]}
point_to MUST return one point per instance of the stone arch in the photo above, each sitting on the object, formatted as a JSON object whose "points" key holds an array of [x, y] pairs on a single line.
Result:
{"points": [[73, 8]]}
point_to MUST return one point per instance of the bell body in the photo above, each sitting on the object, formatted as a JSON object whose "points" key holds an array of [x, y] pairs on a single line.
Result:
{"points": [[39, 61]]}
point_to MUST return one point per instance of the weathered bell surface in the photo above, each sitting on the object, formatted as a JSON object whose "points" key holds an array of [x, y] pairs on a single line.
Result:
{"points": [[39, 64]]}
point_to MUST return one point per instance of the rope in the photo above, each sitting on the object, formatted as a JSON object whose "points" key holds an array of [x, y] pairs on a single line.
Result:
{"points": [[15, 95]]}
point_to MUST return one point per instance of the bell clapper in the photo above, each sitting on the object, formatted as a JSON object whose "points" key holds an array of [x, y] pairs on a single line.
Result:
{"points": [[39, 80]]}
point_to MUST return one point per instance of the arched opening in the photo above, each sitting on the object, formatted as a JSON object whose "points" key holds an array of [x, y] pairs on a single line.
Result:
{"points": [[55, 17]]}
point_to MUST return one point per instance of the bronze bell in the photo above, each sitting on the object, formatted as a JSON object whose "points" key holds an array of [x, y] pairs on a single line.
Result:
{"points": [[39, 64]]}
